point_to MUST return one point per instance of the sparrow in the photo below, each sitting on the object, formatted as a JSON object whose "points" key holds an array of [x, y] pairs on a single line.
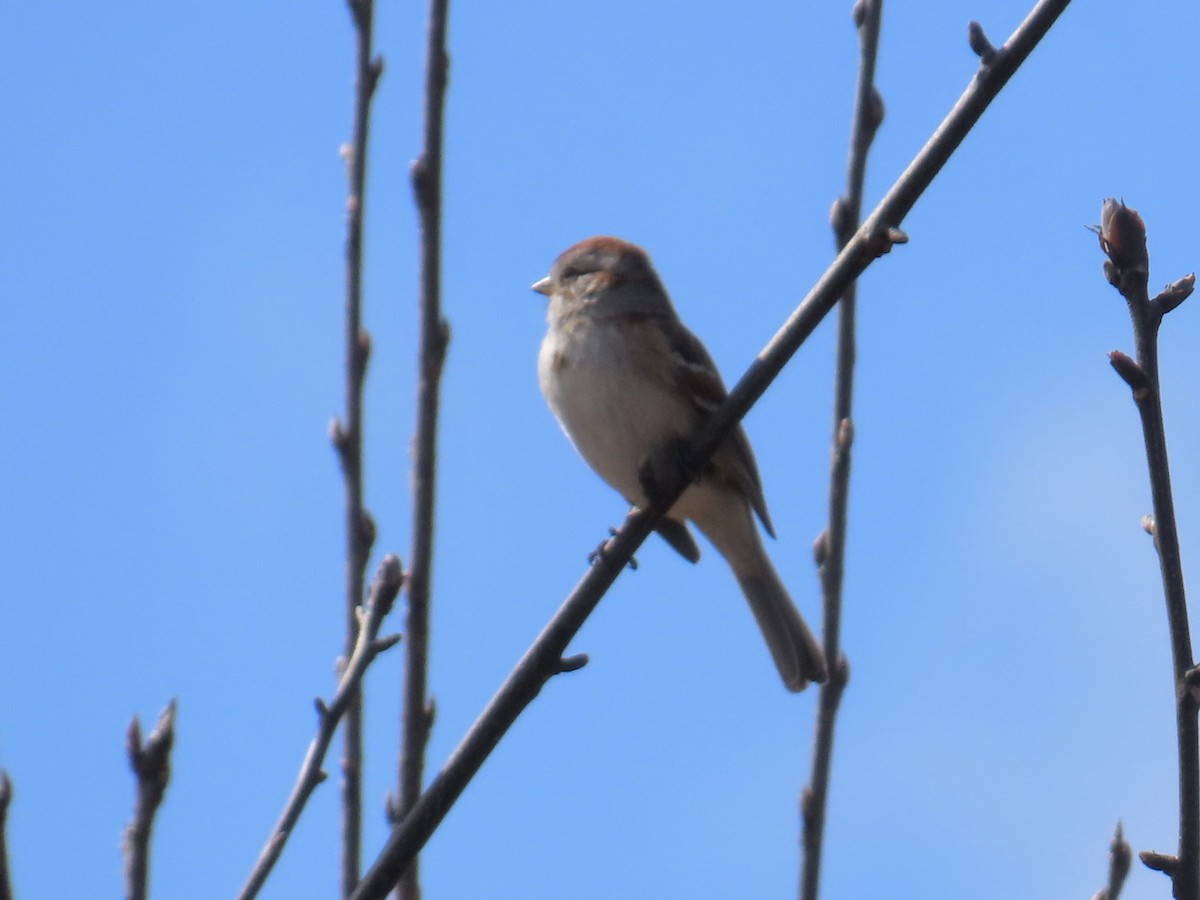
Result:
{"points": [[629, 384]]}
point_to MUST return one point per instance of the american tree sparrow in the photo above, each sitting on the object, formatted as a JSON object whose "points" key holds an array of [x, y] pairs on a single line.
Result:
{"points": [[628, 382]]}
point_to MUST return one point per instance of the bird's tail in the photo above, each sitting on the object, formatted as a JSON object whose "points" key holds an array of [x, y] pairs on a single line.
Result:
{"points": [[797, 655]]}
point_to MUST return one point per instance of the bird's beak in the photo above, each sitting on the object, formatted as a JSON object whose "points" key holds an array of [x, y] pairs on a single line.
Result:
{"points": [[543, 286]]}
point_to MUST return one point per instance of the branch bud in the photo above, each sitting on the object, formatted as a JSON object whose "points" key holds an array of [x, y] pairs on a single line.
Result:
{"points": [[1160, 862], [1133, 374], [980, 44], [1123, 238], [859, 13], [1175, 293], [820, 547]]}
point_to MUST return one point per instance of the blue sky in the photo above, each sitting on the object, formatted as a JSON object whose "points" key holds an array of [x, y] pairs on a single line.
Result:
{"points": [[170, 355]]}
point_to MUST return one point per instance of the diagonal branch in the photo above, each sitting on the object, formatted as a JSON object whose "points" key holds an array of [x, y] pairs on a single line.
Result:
{"points": [[151, 764], [1123, 239], [385, 587], [347, 436], [435, 335], [831, 545], [544, 657]]}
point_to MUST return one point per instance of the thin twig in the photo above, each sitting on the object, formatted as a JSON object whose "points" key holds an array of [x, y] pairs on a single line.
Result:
{"points": [[418, 710], [1123, 239], [151, 764], [369, 645], [6, 794], [1120, 856], [544, 658], [348, 435], [868, 114]]}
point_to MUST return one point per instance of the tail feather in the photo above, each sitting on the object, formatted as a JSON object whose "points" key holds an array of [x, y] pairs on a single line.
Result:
{"points": [[726, 519], [797, 655]]}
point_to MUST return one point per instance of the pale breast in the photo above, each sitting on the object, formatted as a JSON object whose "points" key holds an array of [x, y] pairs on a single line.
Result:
{"points": [[614, 407]]}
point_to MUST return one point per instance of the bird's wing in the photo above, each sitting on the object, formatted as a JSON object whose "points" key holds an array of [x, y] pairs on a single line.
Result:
{"points": [[734, 460]]}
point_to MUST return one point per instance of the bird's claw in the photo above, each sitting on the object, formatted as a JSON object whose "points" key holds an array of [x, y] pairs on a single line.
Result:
{"points": [[661, 467], [598, 555]]}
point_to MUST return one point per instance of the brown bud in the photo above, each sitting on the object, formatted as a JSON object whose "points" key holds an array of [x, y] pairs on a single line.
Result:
{"points": [[1123, 237]]}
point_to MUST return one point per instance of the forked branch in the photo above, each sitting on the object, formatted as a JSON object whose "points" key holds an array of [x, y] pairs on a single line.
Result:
{"points": [[369, 645], [151, 763]]}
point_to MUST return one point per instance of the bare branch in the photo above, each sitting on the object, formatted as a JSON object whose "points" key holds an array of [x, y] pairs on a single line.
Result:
{"points": [[151, 764], [387, 584], [1123, 239], [418, 710], [868, 114], [348, 435], [1120, 857], [543, 659]]}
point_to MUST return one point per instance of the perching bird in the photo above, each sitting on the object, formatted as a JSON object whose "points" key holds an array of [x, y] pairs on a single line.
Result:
{"points": [[627, 381]]}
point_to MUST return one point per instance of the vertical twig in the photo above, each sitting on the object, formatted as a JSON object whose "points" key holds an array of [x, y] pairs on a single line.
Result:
{"points": [[6, 793], [385, 587], [347, 435], [151, 764], [831, 544], [435, 335], [1123, 239]]}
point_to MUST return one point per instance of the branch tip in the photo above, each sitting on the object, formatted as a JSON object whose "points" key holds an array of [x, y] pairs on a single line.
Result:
{"points": [[980, 44], [1160, 862], [1120, 858], [321, 707], [383, 644], [1123, 239], [571, 663]]}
